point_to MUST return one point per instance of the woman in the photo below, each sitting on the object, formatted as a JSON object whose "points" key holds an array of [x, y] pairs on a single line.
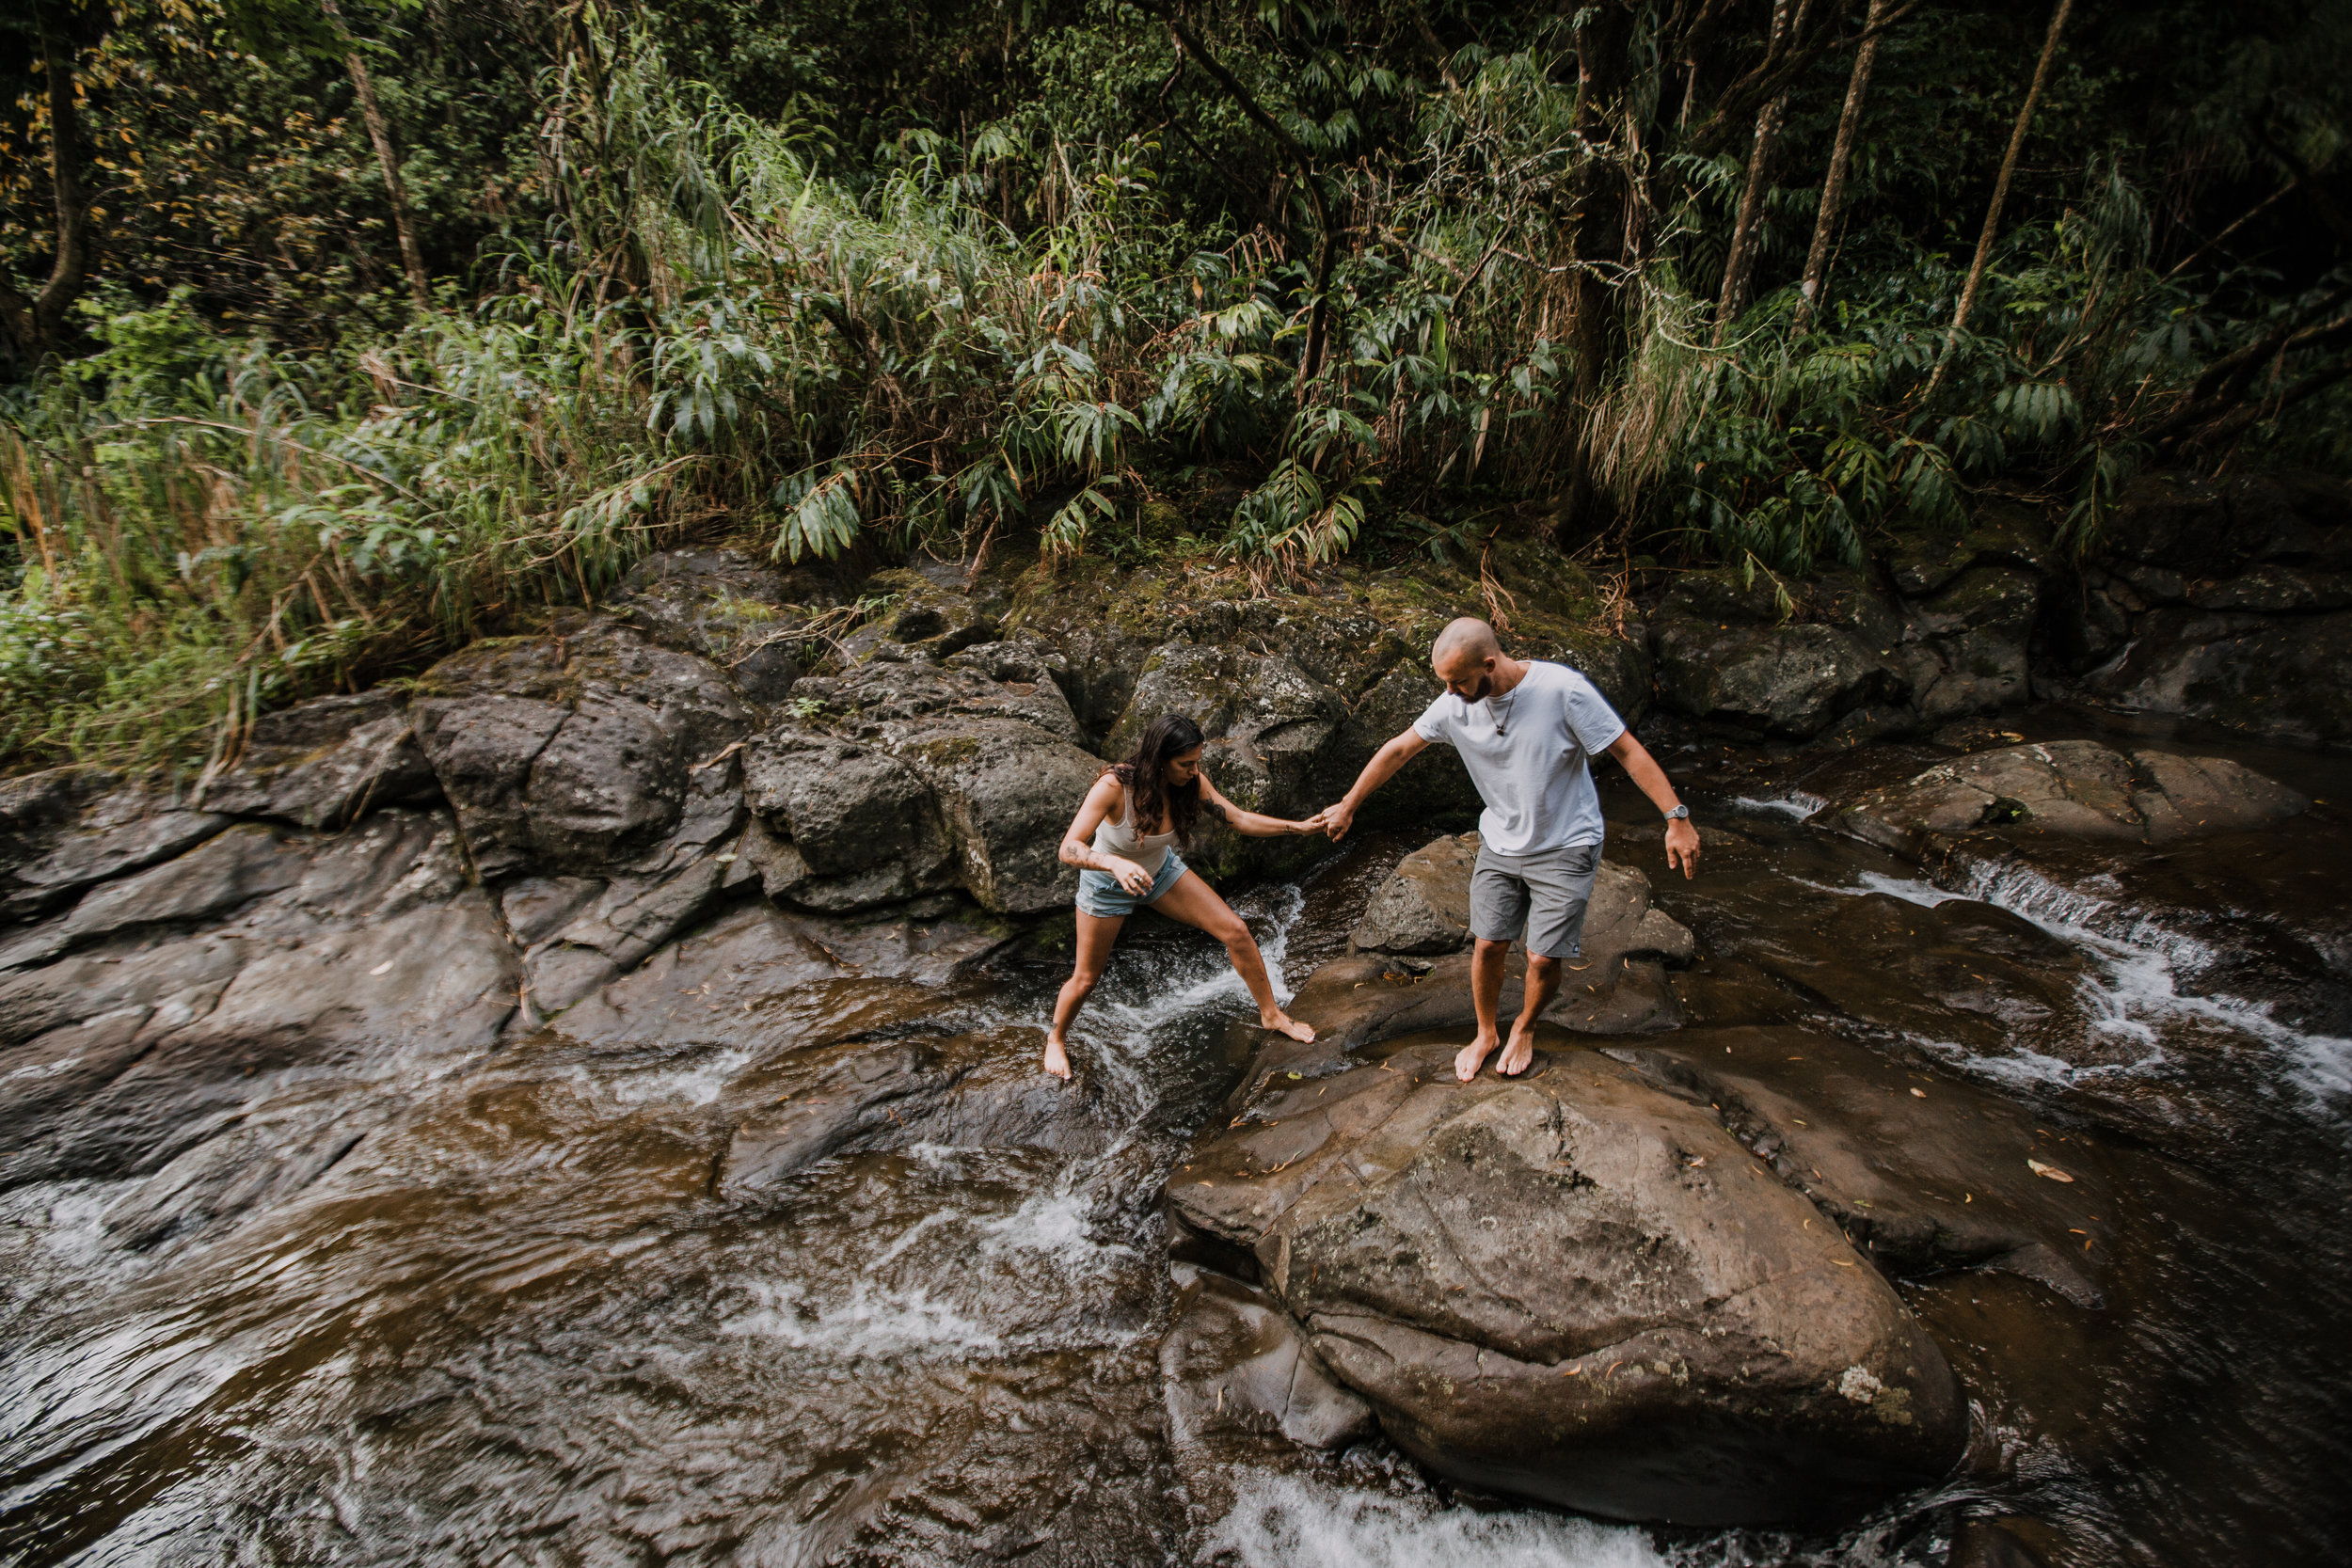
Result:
{"points": [[1137, 813]]}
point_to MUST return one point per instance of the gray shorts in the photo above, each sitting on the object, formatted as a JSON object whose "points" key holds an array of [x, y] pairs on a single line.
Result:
{"points": [[1543, 895]]}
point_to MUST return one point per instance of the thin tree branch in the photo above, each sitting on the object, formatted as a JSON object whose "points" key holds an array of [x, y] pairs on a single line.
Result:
{"points": [[1834, 184], [2000, 189], [395, 191], [1189, 41]]}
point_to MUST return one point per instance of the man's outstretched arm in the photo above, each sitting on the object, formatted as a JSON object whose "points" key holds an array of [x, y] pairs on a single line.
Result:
{"points": [[1336, 820], [1682, 840]]}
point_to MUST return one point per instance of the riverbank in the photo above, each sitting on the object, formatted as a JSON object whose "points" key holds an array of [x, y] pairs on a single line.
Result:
{"points": [[741, 918]]}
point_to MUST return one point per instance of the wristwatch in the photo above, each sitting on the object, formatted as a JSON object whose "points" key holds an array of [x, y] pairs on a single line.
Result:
{"points": [[1681, 811]]}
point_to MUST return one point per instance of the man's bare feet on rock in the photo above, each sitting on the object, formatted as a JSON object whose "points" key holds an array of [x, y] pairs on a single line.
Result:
{"points": [[1516, 1055], [1283, 1023], [1472, 1056], [1056, 1060]]}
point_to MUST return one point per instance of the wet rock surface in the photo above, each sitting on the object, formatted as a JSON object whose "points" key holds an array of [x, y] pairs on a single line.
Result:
{"points": [[2072, 788], [1918, 1172], [1575, 1287], [619, 1058], [1234, 1364]]}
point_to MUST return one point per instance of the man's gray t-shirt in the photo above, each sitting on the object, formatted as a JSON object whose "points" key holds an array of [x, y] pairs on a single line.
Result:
{"points": [[1533, 772]]}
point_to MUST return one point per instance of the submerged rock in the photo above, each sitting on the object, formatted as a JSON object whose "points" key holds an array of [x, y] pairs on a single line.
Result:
{"points": [[1232, 1364], [927, 1076], [2077, 788]]}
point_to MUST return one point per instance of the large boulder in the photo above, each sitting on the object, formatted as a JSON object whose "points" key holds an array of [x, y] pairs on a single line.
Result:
{"points": [[860, 826], [1922, 1173], [1963, 650], [2223, 599], [2076, 788], [727, 608], [1940, 628], [1270, 727], [1575, 1287], [910, 777], [1424, 908], [167, 1021], [1234, 1364], [326, 763], [2220, 527], [1787, 681], [572, 749], [2283, 676]]}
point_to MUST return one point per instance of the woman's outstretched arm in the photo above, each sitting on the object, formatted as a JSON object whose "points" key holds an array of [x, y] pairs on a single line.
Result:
{"points": [[1249, 824]]}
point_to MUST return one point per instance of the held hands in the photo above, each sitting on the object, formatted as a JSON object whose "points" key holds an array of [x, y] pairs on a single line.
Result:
{"points": [[1333, 821], [1683, 847]]}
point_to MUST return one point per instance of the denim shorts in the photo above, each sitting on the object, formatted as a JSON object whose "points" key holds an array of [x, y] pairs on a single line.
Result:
{"points": [[1100, 894]]}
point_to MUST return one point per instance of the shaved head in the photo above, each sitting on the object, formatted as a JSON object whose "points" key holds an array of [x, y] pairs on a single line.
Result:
{"points": [[1465, 636], [1468, 658]]}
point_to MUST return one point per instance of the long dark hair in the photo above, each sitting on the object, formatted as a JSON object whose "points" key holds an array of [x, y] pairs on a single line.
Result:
{"points": [[1145, 774]]}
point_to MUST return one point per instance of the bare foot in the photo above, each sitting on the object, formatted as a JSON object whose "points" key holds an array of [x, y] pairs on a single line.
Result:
{"points": [[1472, 1056], [1283, 1023], [1056, 1060], [1520, 1051]]}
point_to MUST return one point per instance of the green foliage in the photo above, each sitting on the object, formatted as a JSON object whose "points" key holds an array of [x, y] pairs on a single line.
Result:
{"points": [[857, 280]]}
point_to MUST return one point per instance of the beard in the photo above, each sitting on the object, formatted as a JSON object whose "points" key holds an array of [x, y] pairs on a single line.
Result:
{"points": [[1485, 689]]}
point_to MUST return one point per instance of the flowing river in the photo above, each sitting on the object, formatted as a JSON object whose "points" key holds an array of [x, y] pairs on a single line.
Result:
{"points": [[511, 1325]]}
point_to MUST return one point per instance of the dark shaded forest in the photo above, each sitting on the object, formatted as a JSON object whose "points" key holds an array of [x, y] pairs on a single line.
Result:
{"points": [[339, 333]]}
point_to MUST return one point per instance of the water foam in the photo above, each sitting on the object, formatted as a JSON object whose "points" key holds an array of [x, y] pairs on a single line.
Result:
{"points": [[872, 1324], [1286, 1522], [1153, 992], [1059, 1227], [2138, 989], [698, 1084], [1796, 804]]}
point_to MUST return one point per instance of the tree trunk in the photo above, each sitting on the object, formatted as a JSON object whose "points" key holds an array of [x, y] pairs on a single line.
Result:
{"points": [[411, 257], [1327, 252], [1841, 155], [1740, 262], [38, 324], [1596, 235], [2000, 189]]}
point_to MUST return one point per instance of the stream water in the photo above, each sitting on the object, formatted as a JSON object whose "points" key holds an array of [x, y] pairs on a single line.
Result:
{"points": [[514, 1327]]}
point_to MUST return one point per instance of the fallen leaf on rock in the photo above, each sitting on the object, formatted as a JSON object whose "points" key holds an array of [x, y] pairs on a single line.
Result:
{"points": [[2051, 1171], [1919, 1094]]}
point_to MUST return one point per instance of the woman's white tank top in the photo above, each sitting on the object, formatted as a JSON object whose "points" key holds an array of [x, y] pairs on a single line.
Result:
{"points": [[1148, 850]]}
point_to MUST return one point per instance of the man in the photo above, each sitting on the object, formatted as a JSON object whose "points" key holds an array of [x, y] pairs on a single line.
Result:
{"points": [[1526, 731]]}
